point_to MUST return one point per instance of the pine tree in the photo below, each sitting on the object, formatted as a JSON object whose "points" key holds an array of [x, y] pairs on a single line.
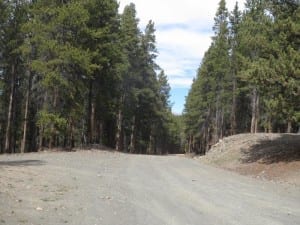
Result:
{"points": [[235, 20], [14, 15], [130, 36], [284, 107], [255, 49], [104, 41], [61, 62], [164, 89], [208, 104], [221, 71]]}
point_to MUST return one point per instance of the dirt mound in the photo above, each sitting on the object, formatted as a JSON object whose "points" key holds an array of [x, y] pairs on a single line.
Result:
{"points": [[266, 156]]}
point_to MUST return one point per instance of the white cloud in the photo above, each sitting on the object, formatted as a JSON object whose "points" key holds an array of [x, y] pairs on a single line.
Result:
{"points": [[180, 82], [184, 30]]}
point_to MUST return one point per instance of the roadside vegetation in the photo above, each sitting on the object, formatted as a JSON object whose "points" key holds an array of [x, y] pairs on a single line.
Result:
{"points": [[81, 74], [249, 78]]}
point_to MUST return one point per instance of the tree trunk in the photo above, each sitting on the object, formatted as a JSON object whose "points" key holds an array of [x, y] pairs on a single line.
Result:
{"points": [[133, 135], [206, 146], [89, 125], [7, 145], [190, 144], [151, 143], [52, 129], [119, 128], [221, 135], [216, 135], [41, 127], [119, 132], [92, 141], [289, 127], [1, 150], [101, 133], [208, 139], [72, 144], [125, 144], [255, 111], [41, 138], [23, 143], [233, 109], [270, 127], [149, 150]]}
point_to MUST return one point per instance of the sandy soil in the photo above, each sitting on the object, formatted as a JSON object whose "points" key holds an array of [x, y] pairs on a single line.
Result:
{"points": [[274, 157], [104, 188]]}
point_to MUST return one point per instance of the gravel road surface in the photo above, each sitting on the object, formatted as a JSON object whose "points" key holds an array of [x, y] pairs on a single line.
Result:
{"points": [[104, 188]]}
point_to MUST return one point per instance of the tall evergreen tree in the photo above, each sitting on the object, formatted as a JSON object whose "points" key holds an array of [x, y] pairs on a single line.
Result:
{"points": [[221, 71], [235, 20], [104, 41], [285, 44], [126, 123], [61, 62], [14, 15], [256, 50]]}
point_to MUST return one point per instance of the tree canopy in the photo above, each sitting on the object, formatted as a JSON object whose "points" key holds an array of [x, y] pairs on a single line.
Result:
{"points": [[79, 74], [248, 80]]}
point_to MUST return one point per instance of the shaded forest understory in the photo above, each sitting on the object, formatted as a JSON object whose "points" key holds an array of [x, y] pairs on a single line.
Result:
{"points": [[79, 73]]}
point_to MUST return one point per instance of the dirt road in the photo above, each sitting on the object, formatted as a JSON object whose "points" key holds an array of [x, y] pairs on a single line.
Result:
{"points": [[88, 188]]}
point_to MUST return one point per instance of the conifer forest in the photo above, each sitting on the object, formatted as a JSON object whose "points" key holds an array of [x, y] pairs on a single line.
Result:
{"points": [[80, 74]]}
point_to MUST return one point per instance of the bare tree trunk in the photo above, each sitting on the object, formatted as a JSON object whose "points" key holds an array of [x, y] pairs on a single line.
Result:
{"points": [[221, 135], [217, 127], [119, 128], [289, 127], [190, 144], [233, 109], [125, 144], [119, 131], [1, 150], [208, 140], [89, 125], [72, 136], [270, 127], [133, 135], [41, 131], [150, 148], [206, 146], [41, 127], [100, 135], [92, 123], [255, 111], [23, 143], [7, 145], [193, 144], [52, 135]]}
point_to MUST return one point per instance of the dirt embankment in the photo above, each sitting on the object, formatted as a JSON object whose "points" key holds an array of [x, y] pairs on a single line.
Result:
{"points": [[273, 157]]}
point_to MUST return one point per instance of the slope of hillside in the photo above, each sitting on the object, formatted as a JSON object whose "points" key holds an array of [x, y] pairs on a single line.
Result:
{"points": [[273, 157]]}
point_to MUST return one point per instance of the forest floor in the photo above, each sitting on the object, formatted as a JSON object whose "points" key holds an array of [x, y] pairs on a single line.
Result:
{"points": [[274, 157], [109, 188]]}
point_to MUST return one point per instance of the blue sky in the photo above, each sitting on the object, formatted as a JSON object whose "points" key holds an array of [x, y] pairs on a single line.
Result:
{"points": [[183, 34]]}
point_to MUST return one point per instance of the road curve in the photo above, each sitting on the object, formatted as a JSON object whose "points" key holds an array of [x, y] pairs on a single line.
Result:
{"points": [[103, 188]]}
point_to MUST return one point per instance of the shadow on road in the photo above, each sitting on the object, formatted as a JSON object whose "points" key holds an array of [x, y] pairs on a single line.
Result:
{"points": [[23, 163], [286, 148]]}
